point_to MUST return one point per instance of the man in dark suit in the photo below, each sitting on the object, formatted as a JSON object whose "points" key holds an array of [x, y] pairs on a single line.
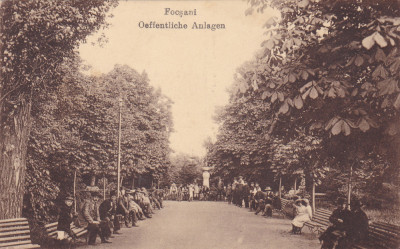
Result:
{"points": [[107, 213], [246, 194]]}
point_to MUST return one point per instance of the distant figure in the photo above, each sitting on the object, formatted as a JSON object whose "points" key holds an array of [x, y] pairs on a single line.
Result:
{"points": [[220, 187], [191, 192], [196, 191], [173, 191]]}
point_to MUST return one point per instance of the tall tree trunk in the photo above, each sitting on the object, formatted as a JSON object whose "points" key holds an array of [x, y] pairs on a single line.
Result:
{"points": [[14, 134]]}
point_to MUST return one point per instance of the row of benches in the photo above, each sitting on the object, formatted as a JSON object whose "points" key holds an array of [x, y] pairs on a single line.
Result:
{"points": [[15, 233], [380, 235]]}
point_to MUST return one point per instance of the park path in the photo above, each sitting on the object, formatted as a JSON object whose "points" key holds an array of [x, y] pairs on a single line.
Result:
{"points": [[209, 225]]}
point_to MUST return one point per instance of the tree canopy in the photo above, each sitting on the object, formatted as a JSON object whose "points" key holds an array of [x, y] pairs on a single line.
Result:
{"points": [[326, 87]]}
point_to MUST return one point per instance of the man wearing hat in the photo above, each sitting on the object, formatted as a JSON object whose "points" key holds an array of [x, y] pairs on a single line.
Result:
{"points": [[341, 224], [107, 211], [65, 217], [253, 191], [268, 202], [359, 223], [92, 216], [145, 203]]}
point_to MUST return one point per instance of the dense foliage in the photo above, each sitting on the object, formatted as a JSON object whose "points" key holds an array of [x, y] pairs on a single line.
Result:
{"points": [[76, 128], [323, 94], [36, 38], [184, 169]]}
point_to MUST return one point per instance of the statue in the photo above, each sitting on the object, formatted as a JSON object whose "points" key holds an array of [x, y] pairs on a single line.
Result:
{"points": [[206, 176]]}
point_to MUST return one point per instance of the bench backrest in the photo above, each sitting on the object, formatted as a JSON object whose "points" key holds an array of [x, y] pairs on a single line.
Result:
{"points": [[51, 229], [384, 235], [15, 232], [321, 216]]}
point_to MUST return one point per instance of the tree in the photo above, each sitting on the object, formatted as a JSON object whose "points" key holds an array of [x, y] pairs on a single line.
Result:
{"points": [[327, 71], [36, 36], [184, 169]]}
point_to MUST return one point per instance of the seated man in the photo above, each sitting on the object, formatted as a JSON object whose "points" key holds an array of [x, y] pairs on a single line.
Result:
{"points": [[268, 203], [144, 203], [107, 211], [65, 218], [359, 222], [121, 210], [133, 210], [340, 228], [91, 215]]}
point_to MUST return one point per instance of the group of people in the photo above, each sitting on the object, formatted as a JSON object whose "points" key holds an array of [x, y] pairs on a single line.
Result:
{"points": [[193, 191], [103, 217], [252, 196], [349, 226], [182, 192]]}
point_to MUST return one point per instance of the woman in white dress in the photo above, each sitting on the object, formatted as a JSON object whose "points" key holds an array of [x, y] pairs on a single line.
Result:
{"points": [[303, 215], [191, 192]]}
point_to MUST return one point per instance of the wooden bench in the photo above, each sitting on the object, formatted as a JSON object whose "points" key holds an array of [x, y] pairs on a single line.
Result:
{"points": [[51, 230], [319, 221], [284, 203], [381, 235], [15, 233]]}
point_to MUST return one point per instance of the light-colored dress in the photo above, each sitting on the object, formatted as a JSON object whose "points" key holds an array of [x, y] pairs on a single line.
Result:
{"points": [[304, 214]]}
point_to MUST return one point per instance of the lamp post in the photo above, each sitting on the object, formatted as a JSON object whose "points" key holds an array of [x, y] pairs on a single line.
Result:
{"points": [[119, 149]]}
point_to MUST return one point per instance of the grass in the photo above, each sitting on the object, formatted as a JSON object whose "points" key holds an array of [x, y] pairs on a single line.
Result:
{"points": [[391, 216]]}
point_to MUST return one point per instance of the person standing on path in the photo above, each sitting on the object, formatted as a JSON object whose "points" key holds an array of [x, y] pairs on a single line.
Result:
{"points": [[191, 192], [196, 191]]}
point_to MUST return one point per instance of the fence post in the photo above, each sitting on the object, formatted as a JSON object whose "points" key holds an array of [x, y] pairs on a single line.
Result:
{"points": [[280, 187], [313, 195]]}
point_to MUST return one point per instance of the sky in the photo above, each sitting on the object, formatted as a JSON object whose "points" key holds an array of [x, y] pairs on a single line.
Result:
{"points": [[193, 67]]}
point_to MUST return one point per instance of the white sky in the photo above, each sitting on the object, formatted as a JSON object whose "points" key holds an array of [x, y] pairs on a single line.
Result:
{"points": [[192, 67]]}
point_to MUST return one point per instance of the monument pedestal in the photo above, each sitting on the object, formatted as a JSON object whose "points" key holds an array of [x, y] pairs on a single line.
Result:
{"points": [[206, 176]]}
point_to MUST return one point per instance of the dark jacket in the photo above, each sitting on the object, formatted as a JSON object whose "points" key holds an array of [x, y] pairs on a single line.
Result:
{"points": [[65, 219], [106, 209], [343, 214], [359, 226]]}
